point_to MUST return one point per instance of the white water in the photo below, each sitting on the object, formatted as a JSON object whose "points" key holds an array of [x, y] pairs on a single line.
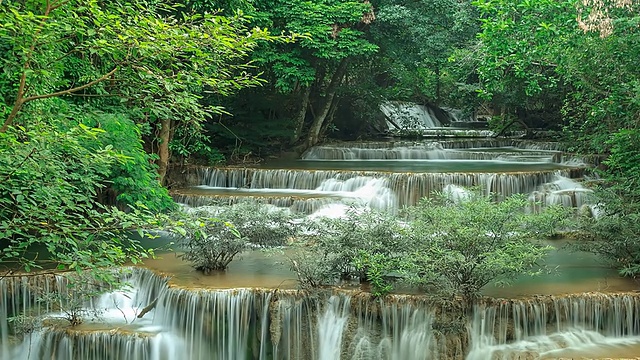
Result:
{"points": [[549, 326], [563, 191], [246, 324], [456, 193], [410, 116], [331, 325], [362, 192]]}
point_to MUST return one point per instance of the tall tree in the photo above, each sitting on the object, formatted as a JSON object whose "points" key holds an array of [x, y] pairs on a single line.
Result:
{"points": [[154, 65], [312, 69]]}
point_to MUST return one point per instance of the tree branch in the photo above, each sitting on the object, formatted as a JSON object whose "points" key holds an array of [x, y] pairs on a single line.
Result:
{"points": [[33, 150], [72, 90], [23, 78]]}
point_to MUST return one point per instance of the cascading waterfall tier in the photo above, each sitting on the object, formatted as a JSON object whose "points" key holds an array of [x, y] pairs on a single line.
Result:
{"points": [[563, 191], [435, 153], [544, 326], [391, 175], [302, 205], [198, 324], [472, 149], [451, 144], [408, 188]]}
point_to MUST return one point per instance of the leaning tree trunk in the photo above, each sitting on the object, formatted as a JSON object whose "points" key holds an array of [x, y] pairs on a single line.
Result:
{"points": [[330, 116], [163, 148], [302, 114], [314, 132]]}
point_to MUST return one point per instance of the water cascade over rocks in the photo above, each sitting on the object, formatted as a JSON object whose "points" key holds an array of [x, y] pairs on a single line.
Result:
{"points": [[405, 118], [198, 324], [391, 175], [552, 327], [155, 320]]}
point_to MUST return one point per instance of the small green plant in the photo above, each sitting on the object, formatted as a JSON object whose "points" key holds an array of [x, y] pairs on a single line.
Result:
{"points": [[213, 237], [24, 324], [350, 248], [73, 296], [377, 269]]}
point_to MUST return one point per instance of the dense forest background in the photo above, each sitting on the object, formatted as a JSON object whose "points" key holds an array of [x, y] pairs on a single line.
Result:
{"points": [[98, 99]]}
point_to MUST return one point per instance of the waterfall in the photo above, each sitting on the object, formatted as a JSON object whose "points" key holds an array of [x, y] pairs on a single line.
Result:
{"points": [[546, 325], [331, 325], [196, 324], [407, 187], [73, 345], [562, 191], [405, 333], [215, 324], [456, 193], [411, 116], [301, 205], [429, 151], [392, 175]]}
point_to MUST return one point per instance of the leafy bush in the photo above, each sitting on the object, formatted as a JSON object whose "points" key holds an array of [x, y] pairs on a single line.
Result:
{"points": [[446, 247], [614, 231], [213, 237], [49, 184], [341, 249], [208, 242], [261, 225], [133, 179], [459, 247]]}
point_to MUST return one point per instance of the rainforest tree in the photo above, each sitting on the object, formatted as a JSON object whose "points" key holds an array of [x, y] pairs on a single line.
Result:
{"points": [[313, 69], [578, 57], [82, 83], [135, 57]]}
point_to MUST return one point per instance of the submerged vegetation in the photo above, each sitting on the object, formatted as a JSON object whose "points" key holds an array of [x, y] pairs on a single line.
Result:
{"points": [[212, 237], [444, 247]]}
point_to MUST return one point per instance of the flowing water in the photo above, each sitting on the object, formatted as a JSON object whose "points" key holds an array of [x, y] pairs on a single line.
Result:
{"points": [[429, 121], [197, 323], [392, 175], [254, 311]]}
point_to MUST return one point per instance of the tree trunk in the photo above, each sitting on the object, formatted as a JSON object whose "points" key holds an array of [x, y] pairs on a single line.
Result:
{"points": [[438, 85], [302, 114], [321, 116], [163, 148], [330, 117]]}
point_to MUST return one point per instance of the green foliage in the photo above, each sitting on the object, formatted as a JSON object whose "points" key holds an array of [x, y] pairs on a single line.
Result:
{"points": [[49, 213], [149, 61], [331, 32], [623, 163], [349, 248], [208, 242], [614, 230], [538, 57], [72, 297], [445, 247], [543, 54], [261, 225], [376, 268], [133, 178], [212, 237], [416, 41], [459, 247]]}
